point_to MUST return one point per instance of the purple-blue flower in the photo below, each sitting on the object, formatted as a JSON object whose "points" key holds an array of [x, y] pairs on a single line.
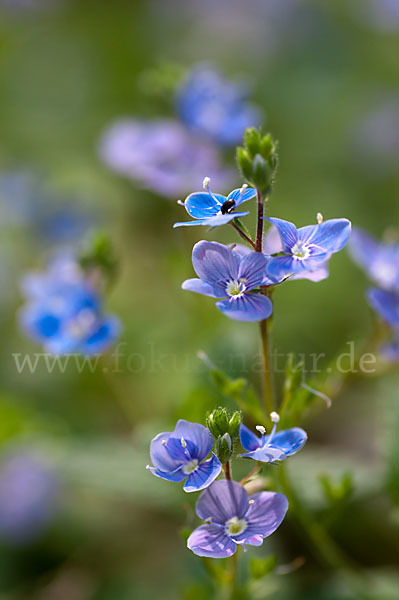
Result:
{"points": [[215, 107], [233, 519], [214, 209], [182, 453], [228, 275], [305, 250], [386, 304], [161, 155], [380, 261], [273, 447], [64, 310], [28, 497]]}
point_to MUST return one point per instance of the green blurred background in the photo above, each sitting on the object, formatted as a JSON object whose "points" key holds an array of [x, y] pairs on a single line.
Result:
{"points": [[321, 71]]}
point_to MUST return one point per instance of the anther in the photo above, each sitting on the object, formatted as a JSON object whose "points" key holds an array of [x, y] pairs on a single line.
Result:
{"points": [[183, 442], [261, 429], [206, 182], [164, 442], [275, 417], [243, 188], [319, 218]]}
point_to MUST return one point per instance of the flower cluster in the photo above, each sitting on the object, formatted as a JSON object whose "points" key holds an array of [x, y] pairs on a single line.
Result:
{"points": [[231, 517], [64, 309], [380, 261]]}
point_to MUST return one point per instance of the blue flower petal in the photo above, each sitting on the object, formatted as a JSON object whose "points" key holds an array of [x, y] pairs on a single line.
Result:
{"points": [[203, 204], [253, 269], [249, 440], [204, 475], [38, 323], [386, 304], [221, 501], [215, 263], [219, 220], [265, 514], [266, 454], [239, 197], [160, 457], [175, 476], [331, 235], [199, 435], [200, 287], [181, 454], [279, 267], [210, 540], [380, 261], [191, 223], [289, 441], [248, 307], [107, 332], [287, 230]]}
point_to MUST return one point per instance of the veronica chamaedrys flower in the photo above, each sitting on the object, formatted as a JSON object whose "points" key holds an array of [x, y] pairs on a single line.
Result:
{"points": [[380, 261], [307, 249], [28, 496], [386, 304], [181, 454], [161, 155], [215, 107], [273, 447], [64, 310], [233, 519], [214, 209], [227, 275]]}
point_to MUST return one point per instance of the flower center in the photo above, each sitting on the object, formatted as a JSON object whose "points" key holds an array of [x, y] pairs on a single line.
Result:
{"points": [[236, 288], [299, 250], [82, 324], [190, 466], [227, 206], [235, 526]]}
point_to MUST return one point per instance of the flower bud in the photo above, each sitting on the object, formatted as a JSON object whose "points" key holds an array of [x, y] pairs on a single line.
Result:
{"points": [[234, 424], [219, 422], [257, 159], [223, 448]]}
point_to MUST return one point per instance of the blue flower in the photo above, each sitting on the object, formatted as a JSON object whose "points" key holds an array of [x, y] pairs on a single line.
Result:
{"points": [[306, 249], [215, 107], [233, 519], [386, 304], [181, 454], [214, 209], [64, 310], [161, 155], [273, 447], [29, 491], [226, 274], [380, 261]]}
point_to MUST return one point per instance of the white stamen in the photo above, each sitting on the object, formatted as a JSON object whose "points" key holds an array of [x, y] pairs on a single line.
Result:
{"points": [[275, 417], [183, 442], [319, 218], [261, 429], [251, 501], [243, 188], [180, 203], [163, 442], [206, 182], [235, 526]]}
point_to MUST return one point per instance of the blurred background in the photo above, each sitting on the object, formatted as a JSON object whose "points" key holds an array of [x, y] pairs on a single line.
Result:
{"points": [[80, 517]]}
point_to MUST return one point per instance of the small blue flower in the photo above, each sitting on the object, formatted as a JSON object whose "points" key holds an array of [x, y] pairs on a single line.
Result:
{"points": [[306, 249], [228, 275], [181, 454], [215, 107], [214, 209], [273, 447], [386, 304], [380, 261], [64, 310], [232, 519]]}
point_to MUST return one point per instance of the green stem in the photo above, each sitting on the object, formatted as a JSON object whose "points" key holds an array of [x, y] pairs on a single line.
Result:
{"points": [[266, 370], [227, 470], [243, 235]]}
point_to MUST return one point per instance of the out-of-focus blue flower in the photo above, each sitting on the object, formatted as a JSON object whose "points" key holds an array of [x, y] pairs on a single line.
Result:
{"points": [[380, 261], [273, 447], [214, 209], [233, 519], [64, 310], [181, 454], [386, 304], [215, 107], [226, 274], [162, 156], [307, 249], [28, 497]]}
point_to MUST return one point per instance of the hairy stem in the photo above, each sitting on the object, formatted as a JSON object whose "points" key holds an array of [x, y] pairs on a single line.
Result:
{"points": [[227, 470], [250, 474], [266, 371], [243, 235], [259, 226]]}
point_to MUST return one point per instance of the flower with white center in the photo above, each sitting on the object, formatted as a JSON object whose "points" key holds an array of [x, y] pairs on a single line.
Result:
{"points": [[273, 447]]}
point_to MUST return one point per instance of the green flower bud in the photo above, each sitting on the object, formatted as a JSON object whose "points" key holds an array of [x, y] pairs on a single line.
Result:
{"points": [[244, 163], [223, 448], [234, 424], [258, 159], [218, 422]]}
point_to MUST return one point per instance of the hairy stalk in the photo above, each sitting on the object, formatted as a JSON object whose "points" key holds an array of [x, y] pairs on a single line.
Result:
{"points": [[259, 226], [227, 470], [250, 474], [243, 235]]}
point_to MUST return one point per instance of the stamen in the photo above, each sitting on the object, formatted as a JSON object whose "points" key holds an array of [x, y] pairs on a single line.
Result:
{"points": [[319, 218], [261, 429], [251, 501], [164, 442], [206, 182], [180, 203], [275, 417], [183, 442], [243, 188]]}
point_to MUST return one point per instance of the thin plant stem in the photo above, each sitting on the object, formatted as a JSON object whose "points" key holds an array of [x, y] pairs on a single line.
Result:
{"points": [[227, 470], [259, 226], [233, 574], [243, 235], [250, 474], [266, 371]]}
